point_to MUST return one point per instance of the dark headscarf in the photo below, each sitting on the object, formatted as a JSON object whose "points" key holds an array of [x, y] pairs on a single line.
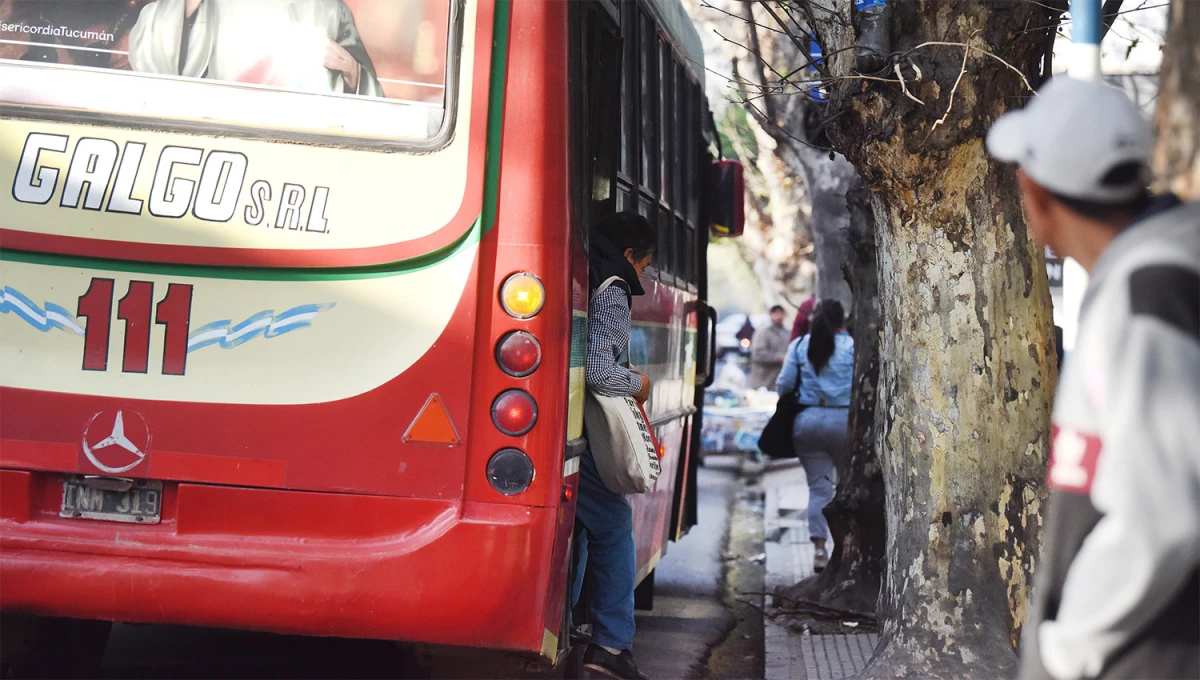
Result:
{"points": [[606, 261]]}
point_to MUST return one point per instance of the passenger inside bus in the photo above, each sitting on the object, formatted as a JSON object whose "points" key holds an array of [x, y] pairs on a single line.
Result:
{"points": [[622, 245]]}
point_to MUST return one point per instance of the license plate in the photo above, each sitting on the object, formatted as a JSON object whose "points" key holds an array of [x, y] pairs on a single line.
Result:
{"points": [[137, 501]]}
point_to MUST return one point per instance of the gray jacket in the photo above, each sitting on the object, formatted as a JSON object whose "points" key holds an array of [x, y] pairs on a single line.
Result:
{"points": [[1117, 587]]}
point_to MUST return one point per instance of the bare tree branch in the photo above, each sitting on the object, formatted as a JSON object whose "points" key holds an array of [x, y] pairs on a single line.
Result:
{"points": [[768, 124], [903, 86], [1116, 14], [963, 70], [968, 48], [1109, 13], [801, 46], [757, 56], [727, 13], [752, 31]]}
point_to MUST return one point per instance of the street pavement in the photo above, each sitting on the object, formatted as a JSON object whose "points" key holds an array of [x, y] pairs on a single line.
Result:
{"points": [[688, 617], [792, 654], [673, 640]]}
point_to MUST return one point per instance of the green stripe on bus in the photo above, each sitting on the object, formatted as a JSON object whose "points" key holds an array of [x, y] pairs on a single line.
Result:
{"points": [[491, 186], [495, 123], [470, 238]]}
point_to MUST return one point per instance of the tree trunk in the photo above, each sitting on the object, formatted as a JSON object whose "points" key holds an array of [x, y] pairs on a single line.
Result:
{"points": [[1177, 158], [845, 257], [856, 515], [966, 360], [781, 244], [828, 181]]}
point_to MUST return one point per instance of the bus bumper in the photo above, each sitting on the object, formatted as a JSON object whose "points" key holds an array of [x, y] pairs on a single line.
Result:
{"points": [[444, 572]]}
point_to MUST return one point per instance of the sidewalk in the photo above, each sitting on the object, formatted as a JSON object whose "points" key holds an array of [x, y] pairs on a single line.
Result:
{"points": [[791, 654]]}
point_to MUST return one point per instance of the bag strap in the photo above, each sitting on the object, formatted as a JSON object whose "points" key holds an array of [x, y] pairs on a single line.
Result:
{"points": [[799, 373], [610, 281], [607, 282]]}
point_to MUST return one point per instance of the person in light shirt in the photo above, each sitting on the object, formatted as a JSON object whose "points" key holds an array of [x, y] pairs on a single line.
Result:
{"points": [[1117, 585], [767, 350], [819, 370]]}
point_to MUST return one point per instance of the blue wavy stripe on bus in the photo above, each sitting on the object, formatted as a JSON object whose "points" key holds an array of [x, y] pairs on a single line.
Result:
{"points": [[42, 318], [266, 324]]}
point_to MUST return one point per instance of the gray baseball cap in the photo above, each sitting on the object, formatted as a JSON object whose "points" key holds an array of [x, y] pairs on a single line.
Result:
{"points": [[1070, 137]]}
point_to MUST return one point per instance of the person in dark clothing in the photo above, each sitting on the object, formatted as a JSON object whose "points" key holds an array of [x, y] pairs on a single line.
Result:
{"points": [[1058, 346], [745, 334], [622, 246], [803, 318]]}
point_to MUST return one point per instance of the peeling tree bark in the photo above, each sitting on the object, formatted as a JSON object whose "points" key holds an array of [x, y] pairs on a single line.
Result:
{"points": [[966, 359], [1177, 158]]}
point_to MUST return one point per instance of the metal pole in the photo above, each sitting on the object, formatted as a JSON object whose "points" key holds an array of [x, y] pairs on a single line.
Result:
{"points": [[1086, 24], [1086, 28]]}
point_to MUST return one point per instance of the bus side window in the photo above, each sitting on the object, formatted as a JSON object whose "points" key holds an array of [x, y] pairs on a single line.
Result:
{"points": [[697, 158], [666, 223], [595, 123], [603, 130], [627, 176], [682, 137], [666, 245], [666, 121], [648, 61]]}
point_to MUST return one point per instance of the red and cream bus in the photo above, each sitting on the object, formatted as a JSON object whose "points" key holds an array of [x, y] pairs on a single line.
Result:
{"points": [[294, 307]]}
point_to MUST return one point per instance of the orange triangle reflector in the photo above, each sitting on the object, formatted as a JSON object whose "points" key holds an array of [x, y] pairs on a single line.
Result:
{"points": [[432, 425]]}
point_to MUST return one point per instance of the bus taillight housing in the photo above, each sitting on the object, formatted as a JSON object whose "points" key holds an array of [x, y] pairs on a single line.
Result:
{"points": [[519, 354], [514, 412], [522, 295]]}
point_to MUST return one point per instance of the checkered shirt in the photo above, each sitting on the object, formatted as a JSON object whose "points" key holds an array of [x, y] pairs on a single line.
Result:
{"points": [[608, 336]]}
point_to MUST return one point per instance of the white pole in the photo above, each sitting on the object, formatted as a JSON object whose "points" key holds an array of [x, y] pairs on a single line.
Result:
{"points": [[1086, 23]]}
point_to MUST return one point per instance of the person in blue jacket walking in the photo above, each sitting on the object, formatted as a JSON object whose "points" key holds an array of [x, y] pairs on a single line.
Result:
{"points": [[819, 369]]}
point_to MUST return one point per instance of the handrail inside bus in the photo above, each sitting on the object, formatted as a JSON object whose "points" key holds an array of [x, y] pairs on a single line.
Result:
{"points": [[673, 415]]}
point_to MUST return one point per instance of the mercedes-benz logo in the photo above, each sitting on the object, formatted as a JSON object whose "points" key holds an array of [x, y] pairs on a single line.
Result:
{"points": [[119, 448]]}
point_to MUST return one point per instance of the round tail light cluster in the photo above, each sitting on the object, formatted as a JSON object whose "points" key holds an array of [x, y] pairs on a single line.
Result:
{"points": [[518, 354], [514, 412], [522, 295], [510, 471]]}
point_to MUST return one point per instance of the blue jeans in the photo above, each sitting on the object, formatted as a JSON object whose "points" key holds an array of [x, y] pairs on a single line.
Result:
{"points": [[819, 468], [819, 439], [607, 539]]}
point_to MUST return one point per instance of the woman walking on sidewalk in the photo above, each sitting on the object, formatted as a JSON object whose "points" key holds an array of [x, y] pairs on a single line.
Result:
{"points": [[819, 369]]}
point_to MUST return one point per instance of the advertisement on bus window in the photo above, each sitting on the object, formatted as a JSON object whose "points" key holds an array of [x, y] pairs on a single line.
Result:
{"points": [[107, 154], [393, 49]]}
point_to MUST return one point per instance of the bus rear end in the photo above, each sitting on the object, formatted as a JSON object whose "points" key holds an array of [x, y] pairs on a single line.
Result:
{"points": [[253, 329]]}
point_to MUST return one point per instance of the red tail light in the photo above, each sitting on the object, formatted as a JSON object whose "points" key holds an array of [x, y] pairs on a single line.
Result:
{"points": [[518, 354], [514, 412]]}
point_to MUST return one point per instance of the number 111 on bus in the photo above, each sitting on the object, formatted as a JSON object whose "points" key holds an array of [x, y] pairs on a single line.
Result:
{"points": [[173, 312]]}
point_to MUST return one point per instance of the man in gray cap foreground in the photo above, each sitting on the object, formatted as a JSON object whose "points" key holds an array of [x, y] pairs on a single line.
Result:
{"points": [[1117, 587]]}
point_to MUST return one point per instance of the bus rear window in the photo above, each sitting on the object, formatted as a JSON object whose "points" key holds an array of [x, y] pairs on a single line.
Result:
{"points": [[368, 68]]}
